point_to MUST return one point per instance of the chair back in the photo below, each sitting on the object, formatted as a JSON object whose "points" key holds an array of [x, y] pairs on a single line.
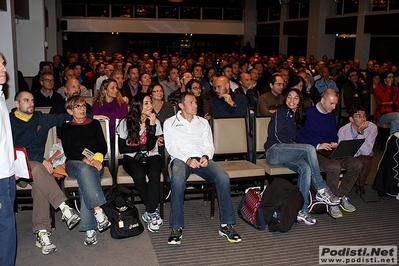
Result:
{"points": [[51, 139], [372, 104], [44, 110], [105, 128], [261, 132], [230, 135], [89, 99]]}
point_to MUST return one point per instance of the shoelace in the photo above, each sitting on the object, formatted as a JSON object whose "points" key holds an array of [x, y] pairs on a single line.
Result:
{"points": [[175, 232], [231, 230], [45, 238], [154, 218]]}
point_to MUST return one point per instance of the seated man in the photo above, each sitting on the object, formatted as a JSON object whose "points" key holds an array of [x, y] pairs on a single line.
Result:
{"points": [[228, 103], [360, 128], [188, 139], [47, 95], [269, 101], [320, 131], [70, 73], [30, 129]]}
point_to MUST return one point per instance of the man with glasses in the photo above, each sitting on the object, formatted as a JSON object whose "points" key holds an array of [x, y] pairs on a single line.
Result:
{"points": [[360, 128], [269, 101], [47, 96], [355, 94], [199, 75]]}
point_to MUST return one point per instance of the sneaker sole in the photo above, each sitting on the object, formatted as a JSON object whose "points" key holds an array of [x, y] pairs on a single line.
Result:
{"points": [[90, 243], [328, 203], [102, 229], [335, 217], [299, 219], [74, 222], [347, 210], [45, 252], [229, 239], [175, 242], [152, 230]]}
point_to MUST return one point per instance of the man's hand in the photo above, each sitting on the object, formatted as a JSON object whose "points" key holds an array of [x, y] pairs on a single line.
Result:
{"points": [[204, 161], [100, 117], [227, 98], [328, 146], [193, 163], [49, 166], [363, 126]]}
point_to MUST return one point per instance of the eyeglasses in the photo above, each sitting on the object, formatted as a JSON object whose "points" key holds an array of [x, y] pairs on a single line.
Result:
{"points": [[196, 88], [48, 80], [80, 106], [360, 116]]}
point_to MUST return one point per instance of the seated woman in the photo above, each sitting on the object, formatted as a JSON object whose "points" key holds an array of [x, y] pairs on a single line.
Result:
{"points": [[281, 149], [138, 133], [386, 96], [109, 102], [204, 108], [80, 134], [163, 110]]}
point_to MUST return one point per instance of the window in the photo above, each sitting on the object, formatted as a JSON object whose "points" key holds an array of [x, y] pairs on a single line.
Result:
{"points": [[232, 14], [190, 13], [168, 12], [212, 13], [145, 11], [97, 10], [73, 10], [123, 11]]}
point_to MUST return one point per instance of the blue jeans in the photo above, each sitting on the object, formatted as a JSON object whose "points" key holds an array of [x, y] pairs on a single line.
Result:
{"points": [[8, 240], [213, 173], [391, 118], [301, 158], [90, 191]]}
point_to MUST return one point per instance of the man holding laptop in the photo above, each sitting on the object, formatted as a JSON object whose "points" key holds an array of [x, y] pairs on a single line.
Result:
{"points": [[320, 131], [360, 128]]}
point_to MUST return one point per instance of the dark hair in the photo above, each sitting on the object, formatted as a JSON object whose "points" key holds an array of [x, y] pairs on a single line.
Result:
{"points": [[351, 70], [300, 116], [190, 83], [133, 118], [353, 110], [273, 78], [295, 81], [183, 95], [226, 66], [152, 85]]}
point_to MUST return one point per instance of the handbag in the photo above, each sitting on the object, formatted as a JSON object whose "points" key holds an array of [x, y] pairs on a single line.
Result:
{"points": [[124, 215], [249, 208]]}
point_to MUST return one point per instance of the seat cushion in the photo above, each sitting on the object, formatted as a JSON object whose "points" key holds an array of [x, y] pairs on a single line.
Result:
{"points": [[273, 169], [70, 182], [241, 168]]}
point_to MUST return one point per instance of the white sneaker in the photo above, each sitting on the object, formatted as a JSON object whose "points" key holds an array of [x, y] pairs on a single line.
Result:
{"points": [[102, 220], [152, 221], [91, 238], [43, 241]]}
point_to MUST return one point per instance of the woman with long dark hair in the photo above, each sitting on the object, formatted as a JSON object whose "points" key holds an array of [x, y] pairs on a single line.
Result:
{"points": [[137, 140], [281, 149]]}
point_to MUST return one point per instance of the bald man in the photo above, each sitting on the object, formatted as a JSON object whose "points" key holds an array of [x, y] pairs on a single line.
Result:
{"points": [[228, 103]]}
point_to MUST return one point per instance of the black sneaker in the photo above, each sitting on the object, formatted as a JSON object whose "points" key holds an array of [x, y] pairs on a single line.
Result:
{"points": [[230, 233], [175, 236]]}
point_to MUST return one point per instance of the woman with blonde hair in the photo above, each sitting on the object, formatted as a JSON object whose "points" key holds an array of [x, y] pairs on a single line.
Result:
{"points": [[109, 102]]}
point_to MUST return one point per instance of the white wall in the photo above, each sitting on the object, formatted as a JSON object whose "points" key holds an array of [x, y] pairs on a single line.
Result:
{"points": [[8, 48], [154, 26], [30, 39]]}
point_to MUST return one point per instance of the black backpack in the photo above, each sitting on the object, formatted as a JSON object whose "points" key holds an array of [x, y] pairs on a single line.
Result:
{"points": [[281, 202], [122, 212]]}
